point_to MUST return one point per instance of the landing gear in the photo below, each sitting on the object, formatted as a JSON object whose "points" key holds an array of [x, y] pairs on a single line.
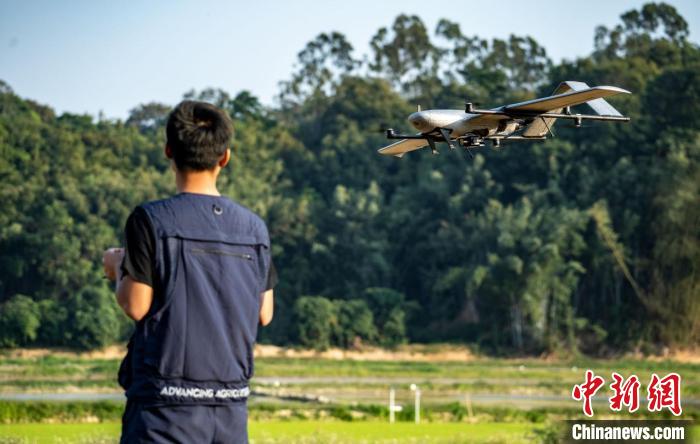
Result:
{"points": [[433, 148], [446, 135]]}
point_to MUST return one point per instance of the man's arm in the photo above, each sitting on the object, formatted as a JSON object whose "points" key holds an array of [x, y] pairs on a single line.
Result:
{"points": [[267, 302], [267, 306], [133, 297]]}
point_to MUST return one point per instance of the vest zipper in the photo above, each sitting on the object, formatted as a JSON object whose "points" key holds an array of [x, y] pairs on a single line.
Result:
{"points": [[222, 253]]}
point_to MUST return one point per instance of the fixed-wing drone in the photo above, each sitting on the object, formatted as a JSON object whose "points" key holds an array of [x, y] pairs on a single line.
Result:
{"points": [[529, 120]]}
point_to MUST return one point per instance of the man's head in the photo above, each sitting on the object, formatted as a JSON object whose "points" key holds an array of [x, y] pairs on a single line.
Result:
{"points": [[198, 136]]}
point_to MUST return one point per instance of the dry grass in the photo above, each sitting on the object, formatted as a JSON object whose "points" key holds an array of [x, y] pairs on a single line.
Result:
{"points": [[406, 353], [410, 353]]}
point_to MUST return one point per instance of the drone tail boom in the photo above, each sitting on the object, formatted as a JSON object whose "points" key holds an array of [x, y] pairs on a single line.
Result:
{"points": [[567, 94]]}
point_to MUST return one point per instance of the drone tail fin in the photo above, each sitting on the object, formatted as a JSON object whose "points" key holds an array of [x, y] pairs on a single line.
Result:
{"points": [[599, 106]]}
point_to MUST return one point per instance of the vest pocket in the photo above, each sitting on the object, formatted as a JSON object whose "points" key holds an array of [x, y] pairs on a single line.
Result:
{"points": [[207, 330], [221, 253]]}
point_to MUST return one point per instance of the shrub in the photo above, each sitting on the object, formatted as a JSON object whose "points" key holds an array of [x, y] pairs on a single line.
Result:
{"points": [[315, 321], [93, 319], [355, 320], [19, 321]]}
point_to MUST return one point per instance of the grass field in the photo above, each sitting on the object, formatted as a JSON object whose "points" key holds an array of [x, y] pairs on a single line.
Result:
{"points": [[512, 398], [503, 376], [294, 432]]}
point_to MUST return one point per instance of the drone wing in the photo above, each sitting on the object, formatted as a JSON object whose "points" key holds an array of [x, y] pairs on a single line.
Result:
{"points": [[571, 98], [402, 147]]}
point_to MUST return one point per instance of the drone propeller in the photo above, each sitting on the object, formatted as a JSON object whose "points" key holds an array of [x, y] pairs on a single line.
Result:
{"points": [[584, 126], [577, 121], [469, 106], [382, 127], [580, 123]]}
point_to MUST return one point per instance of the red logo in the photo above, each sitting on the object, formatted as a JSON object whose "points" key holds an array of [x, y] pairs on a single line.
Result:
{"points": [[665, 393], [662, 393], [586, 391], [626, 393]]}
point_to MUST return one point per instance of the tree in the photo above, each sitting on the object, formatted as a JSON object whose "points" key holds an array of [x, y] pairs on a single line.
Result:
{"points": [[315, 320], [585, 241], [639, 35], [394, 329], [148, 117], [389, 308], [93, 318], [355, 323], [320, 66], [53, 327], [405, 54], [669, 112], [19, 321]]}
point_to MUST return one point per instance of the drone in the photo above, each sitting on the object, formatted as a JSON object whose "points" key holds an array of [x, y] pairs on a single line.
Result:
{"points": [[529, 120]]}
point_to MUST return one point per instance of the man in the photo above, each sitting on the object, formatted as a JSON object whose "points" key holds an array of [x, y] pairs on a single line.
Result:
{"points": [[197, 277]]}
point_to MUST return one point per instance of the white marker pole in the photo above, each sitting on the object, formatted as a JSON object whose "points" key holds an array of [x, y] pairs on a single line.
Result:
{"points": [[468, 401], [392, 407], [417, 406], [415, 388]]}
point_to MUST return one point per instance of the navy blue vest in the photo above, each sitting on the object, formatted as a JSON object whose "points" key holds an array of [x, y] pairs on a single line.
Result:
{"points": [[195, 345]]}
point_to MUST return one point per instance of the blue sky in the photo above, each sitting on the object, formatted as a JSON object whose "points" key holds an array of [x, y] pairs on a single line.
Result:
{"points": [[92, 56]]}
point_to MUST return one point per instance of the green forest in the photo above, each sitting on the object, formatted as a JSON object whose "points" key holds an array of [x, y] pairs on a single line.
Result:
{"points": [[586, 243]]}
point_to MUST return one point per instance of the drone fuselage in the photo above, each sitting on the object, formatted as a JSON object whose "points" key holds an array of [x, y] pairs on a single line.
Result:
{"points": [[459, 123]]}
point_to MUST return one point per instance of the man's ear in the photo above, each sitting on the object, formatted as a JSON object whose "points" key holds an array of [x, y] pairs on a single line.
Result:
{"points": [[168, 151], [225, 158]]}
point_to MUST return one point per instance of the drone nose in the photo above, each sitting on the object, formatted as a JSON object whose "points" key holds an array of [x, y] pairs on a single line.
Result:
{"points": [[418, 120]]}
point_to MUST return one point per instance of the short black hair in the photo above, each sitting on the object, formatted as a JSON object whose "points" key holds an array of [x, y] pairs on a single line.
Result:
{"points": [[198, 134]]}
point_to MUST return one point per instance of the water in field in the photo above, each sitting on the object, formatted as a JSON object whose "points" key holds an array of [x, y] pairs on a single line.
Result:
{"points": [[520, 384]]}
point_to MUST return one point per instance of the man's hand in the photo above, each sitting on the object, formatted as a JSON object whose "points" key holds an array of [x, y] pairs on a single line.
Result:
{"points": [[111, 261]]}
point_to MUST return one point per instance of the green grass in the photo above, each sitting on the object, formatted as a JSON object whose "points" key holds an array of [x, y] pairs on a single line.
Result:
{"points": [[373, 432], [531, 376], [306, 432], [60, 433], [56, 412], [301, 432]]}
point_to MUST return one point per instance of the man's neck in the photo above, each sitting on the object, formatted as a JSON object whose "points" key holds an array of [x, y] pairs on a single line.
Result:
{"points": [[197, 182]]}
